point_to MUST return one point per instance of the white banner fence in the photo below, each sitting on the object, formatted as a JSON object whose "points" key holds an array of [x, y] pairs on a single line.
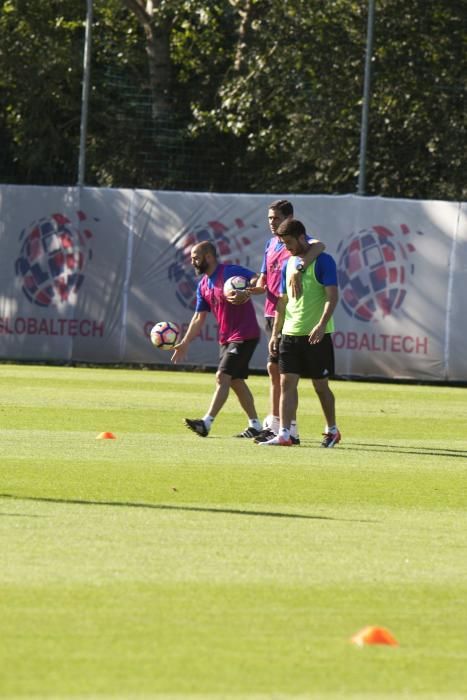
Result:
{"points": [[86, 272]]}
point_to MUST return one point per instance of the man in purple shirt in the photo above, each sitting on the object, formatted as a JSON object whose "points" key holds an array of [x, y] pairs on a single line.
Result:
{"points": [[275, 253], [238, 335]]}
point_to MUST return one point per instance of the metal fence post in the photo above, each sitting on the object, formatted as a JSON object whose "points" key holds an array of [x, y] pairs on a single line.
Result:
{"points": [[366, 99], [85, 95]]}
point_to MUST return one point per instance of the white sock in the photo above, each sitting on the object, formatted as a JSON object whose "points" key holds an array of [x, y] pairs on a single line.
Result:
{"points": [[331, 429], [267, 421], [293, 428], [284, 433], [208, 421], [274, 424], [254, 423]]}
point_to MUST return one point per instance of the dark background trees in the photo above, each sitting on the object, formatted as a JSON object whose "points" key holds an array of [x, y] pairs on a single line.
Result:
{"points": [[236, 95]]}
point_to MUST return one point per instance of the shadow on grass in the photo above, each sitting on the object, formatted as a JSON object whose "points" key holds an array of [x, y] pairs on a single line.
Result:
{"points": [[19, 515], [164, 506], [409, 450]]}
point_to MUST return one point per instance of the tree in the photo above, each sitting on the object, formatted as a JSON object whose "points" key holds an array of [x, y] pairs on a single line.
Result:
{"points": [[40, 87], [418, 117], [293, 102], [236, 95], [156, 20]]}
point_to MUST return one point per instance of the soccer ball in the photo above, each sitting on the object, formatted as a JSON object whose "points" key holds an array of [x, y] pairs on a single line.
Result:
{"points": [[164, 335], [236, 283]]}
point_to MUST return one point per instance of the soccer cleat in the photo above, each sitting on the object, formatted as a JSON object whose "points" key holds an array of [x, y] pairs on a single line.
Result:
{"points": [[249, 433], [265, 434], [295, 440], [197, 426], [331, 439], [276, 441]]}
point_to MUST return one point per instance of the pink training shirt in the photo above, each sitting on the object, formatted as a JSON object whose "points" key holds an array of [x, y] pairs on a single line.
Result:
{"points": [[275, 253], [236, 323]]}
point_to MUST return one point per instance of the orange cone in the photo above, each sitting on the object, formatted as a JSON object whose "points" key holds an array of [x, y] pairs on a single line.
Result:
{"points": [[374, 635], [106, 436]]}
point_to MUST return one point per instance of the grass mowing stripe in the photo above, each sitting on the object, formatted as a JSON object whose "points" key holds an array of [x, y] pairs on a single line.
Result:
{"points": [[164, 565]]}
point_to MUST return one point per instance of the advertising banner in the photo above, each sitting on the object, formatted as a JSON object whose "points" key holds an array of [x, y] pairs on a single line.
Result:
{"points": [[86, 272], [62, 268], [455, 365]]}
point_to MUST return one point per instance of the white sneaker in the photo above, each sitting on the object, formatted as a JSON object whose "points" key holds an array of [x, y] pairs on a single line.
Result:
{"points": [[277, 441]]}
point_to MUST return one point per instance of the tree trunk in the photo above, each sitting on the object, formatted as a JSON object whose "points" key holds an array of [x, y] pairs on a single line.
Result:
{"points": [[245, 11], [157, 34]]}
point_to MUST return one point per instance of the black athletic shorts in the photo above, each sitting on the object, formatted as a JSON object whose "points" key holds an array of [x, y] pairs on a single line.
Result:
{"points": [[268, 324], [298, 356], [234, 358]]}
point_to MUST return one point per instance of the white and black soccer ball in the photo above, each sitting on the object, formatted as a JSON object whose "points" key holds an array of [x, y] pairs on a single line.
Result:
{"points": [[236, 283], [164, 335]]}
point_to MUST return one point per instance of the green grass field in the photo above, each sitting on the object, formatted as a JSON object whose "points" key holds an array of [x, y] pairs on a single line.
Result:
{"points": [[163, 565]]}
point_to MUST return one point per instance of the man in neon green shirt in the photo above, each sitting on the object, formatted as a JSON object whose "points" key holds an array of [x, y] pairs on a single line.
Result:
{"points": [[304, 325]]}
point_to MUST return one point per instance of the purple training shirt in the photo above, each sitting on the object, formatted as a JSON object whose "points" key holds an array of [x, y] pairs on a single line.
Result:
{"points": [[235, 322]]}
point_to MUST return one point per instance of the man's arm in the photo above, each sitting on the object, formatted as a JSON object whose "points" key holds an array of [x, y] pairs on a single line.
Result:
{"points": [[261, 281], [317, 333], [315, 249], [196, 324], [305, 260], [238, 296], [278, 324]]}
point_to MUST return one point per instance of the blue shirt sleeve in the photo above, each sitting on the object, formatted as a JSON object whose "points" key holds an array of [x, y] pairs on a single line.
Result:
{"points": [[326, 270], [283, 287], [264, 269], [201, 303]]}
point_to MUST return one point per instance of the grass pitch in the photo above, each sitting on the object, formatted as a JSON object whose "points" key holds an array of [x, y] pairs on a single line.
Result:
{"points": [[163, 565]]}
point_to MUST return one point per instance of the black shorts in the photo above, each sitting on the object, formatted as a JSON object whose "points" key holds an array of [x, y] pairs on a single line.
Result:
{"points": [[268, 324], [298, 356], [234, 358]]}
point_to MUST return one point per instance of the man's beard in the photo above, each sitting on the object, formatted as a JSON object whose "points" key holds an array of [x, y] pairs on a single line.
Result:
{"points": [[201, 268]]}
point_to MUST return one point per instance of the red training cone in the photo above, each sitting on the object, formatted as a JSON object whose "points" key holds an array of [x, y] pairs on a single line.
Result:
{"points": [[106, 436], [374, 635]]}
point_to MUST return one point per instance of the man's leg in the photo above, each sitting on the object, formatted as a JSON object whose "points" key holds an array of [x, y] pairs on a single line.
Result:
{"points": [[245, 397], [288, 409], [274, 387], [326, 399], [271, 423], [202, 426], [221, 393], [289, 399], [247, 402], [236, 362], [331, 436]]}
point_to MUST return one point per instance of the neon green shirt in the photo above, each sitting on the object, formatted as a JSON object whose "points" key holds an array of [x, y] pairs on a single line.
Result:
{"points": [[301, 315]]}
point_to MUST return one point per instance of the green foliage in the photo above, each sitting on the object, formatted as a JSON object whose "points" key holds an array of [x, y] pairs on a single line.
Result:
{"points": [[419, 103], [252, 95], [40, 86]]}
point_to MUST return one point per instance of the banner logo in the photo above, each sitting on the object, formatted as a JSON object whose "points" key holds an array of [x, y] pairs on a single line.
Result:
{"points": [[232, 247], [54, 252], [374, 268]]}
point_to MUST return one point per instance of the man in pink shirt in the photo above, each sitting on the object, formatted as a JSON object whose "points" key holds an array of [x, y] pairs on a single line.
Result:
{"points": [[239, 334], [269, 279]]}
